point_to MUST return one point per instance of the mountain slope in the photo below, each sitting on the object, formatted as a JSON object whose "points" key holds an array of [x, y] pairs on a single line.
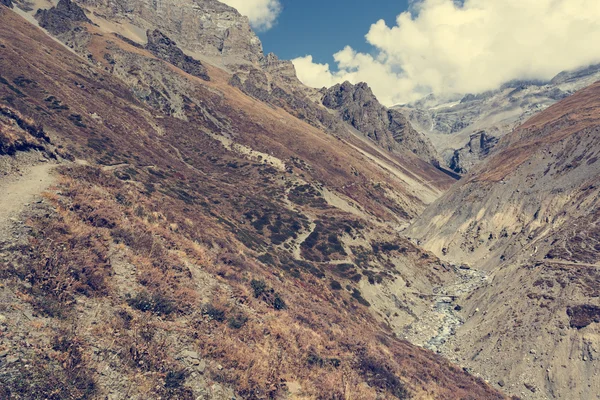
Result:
{"points": [[199, 242], [528, 215]]}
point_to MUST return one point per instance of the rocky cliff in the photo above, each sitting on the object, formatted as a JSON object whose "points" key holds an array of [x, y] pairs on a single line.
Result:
{"points": [[207, 27], [63, 18], [479, 147], [166, 49], [357, 105]]}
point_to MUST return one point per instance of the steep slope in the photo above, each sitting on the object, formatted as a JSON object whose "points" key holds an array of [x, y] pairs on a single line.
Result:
{"points": [[529, 216], [202, 243], [451, 122], [213, 32]]}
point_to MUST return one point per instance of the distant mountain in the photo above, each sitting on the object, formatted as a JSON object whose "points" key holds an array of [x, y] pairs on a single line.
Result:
{"points": [[454, 123]]}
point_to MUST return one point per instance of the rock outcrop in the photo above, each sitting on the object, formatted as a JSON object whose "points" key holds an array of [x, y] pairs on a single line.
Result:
{"points": [[63, 18], [479, 146], [358, 106], [207, 27], [166, 49]]}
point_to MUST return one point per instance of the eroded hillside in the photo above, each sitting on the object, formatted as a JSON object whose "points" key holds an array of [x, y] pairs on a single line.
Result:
{"points": [[198, 242], [529, 217]]}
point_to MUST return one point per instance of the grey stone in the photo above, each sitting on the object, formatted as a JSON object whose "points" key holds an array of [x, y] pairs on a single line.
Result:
{"points": [[12, 359], [166, 49], [190, 354], [62, 18], [358, 106]]}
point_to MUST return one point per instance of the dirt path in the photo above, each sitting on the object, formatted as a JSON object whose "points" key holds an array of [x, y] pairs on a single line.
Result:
{"points": [[16, 192]]}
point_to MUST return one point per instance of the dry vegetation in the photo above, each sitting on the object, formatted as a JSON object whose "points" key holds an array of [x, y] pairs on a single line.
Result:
{"points": [[168, 244], [260, 328]]}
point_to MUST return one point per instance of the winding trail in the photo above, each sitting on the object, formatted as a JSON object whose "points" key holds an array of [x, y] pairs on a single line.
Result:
{"points": [[17, 191]]}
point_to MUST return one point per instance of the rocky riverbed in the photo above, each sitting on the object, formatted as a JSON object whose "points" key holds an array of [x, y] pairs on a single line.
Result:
{"points": [[433, 329]]}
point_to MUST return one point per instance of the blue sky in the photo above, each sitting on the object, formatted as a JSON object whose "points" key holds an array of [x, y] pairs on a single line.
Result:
{"points": [[445, 47], [324, 27]]}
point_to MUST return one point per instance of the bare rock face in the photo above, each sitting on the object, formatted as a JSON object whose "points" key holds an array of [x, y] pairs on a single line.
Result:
{"points": [[359, 107], [166, 49], [283, 69], [63, 18], [204, 26], [479, 146]]}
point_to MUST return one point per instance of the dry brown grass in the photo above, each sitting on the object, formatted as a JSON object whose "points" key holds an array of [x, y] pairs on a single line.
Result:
{"points": [[173, 216]]}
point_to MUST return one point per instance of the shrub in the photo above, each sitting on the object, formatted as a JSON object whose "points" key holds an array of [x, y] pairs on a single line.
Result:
{"points": [[377, 373], [215, 313], [278, 302], [259, 286], [155, 303], [335, 285], [237, 321], [174, 379], [316, 360], [268, 295], [358, 296]]}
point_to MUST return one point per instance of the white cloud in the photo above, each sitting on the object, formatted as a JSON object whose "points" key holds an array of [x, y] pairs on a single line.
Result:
{"points": [[262, 13], [447, 46]]}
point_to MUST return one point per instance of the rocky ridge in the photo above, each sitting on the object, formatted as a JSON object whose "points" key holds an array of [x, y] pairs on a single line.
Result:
{"points": [[164, 48], [62, 18], [450, 121], [208, 27], [357, 105], [218, 34]]}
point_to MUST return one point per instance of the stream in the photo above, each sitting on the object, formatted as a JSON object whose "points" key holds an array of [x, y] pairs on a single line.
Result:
{"points": [[447, 307]]}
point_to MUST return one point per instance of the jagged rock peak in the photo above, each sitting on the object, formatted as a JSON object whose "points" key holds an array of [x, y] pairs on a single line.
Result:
{"points": [[359, 107], [283, 69], [342, 93], [62, 18], [208, 27], [166, 49], [479, 146]]}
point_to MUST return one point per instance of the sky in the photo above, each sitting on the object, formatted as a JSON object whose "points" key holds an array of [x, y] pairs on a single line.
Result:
{"points": [[406, 49]]}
